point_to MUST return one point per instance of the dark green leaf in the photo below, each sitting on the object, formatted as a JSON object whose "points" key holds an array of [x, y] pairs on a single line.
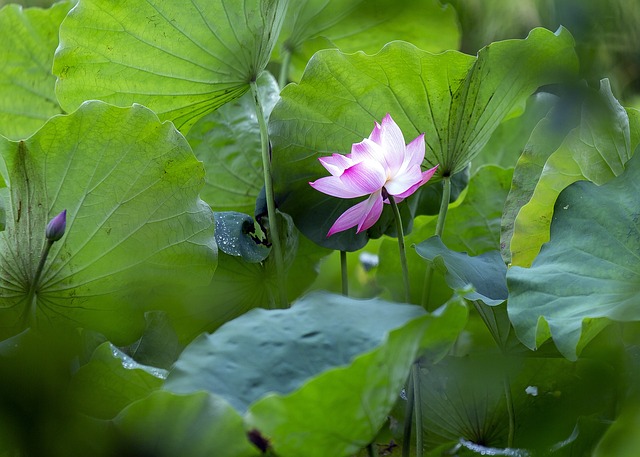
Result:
{"points": [[110, 381], [196, 425], [236, 236], [485, 272]]}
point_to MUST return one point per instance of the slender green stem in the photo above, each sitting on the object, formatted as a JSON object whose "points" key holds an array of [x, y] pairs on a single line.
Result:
{"points": [[274, 234], [31, 295], [283, 77], [345, 273], [417, 401], [442, 216], [444, 205], [408, 417], [403, 254], [510, 409]]}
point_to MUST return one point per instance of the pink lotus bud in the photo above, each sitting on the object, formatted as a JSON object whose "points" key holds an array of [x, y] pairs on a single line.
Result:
{"points": [[55, 228]]}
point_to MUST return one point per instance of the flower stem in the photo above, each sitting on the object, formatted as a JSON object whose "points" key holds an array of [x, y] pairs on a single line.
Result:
{"points": [[417, 402], [345, 273], [274, 234], [442, 216], [283, 77], [403, 254], [510, 409], [31, 295], [408, 417]]}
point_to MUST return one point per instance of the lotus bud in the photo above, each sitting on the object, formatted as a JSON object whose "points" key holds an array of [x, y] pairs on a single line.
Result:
{"points": [[56, 227]]}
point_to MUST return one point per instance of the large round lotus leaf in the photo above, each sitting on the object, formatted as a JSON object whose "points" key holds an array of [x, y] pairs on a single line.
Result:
{"points": [[457, 100], [364, 25], [130, 187], [346, 407], [182, 59], [589, 270], [198, 425], [278, 350], [29, 38], [329, 364]]}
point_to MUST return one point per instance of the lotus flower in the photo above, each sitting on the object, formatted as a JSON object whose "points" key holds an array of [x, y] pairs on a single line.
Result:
{"points": [[378, 166]]}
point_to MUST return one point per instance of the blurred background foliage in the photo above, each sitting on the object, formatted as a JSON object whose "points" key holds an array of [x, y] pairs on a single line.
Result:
{"points": [[606, 33]]}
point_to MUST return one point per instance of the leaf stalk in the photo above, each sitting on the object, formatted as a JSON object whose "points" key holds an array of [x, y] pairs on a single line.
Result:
{"points": [[274, 233]]}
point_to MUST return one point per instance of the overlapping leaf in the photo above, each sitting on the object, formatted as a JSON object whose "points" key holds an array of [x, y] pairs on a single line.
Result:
{"points": [[181, 59], [228, 143], [196, 425], [588, 271], [130, 187], [29, 38], [316, 366], [357, 25], [485, 272], [596, 151], [455, 99], [110, 381]]}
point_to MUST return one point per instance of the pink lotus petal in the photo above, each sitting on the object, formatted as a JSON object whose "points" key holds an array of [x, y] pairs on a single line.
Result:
{"points": [[415, 151], [364, 177], [336, 163], [401, 183], [393, 145], [367, 151], [425, 176], [363, 214], [333, 185], [373, 212], [375, 134]]}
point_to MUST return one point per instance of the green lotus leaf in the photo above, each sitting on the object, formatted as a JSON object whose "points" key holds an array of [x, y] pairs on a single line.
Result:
{"points": [[315, 366], [463, 398], [228, 143], [235, 235], [130, 187], [485, 272], [181, 59], [29, 38], [589, 271], [159, 345], [508, 141], [621, 439], [239, 286], [358, 25], [457, 100], [110, 381], [544, 140], [596, 151], [197, 425]]}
